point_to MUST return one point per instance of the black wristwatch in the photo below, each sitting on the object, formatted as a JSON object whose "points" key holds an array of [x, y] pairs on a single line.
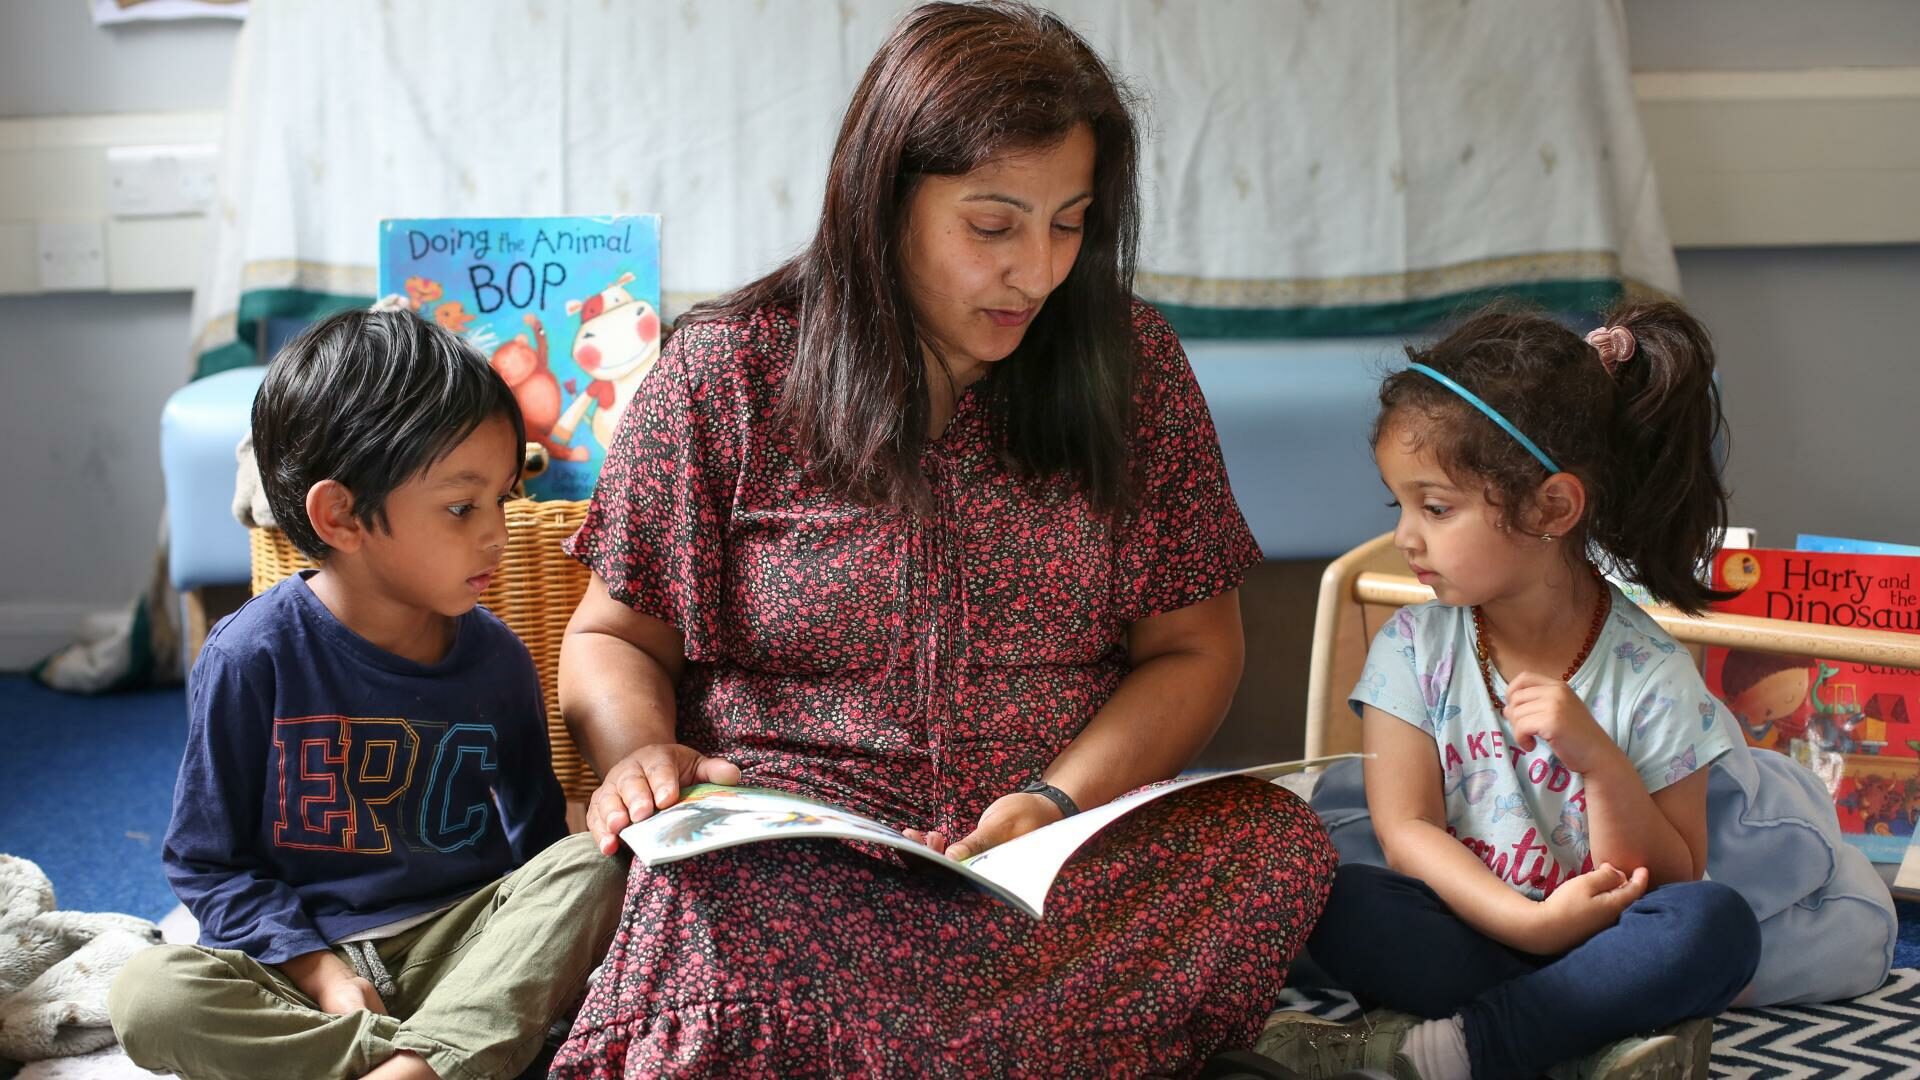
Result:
{"points": [[1061, 799]]}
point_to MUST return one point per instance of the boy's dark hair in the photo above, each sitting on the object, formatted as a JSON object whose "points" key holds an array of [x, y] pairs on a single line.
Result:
{"points": [[953, 86], [1745, 667], [369, 399], [1641, 438]]}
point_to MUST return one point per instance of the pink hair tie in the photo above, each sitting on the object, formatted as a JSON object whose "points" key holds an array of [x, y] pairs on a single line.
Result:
{"points": [[1615, 345]]}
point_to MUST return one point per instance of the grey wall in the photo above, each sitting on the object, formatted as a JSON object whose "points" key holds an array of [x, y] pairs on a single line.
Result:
{"points": [[1817, 343], [1667, 35], [55, 62], [83, 376], [1822, 385]]}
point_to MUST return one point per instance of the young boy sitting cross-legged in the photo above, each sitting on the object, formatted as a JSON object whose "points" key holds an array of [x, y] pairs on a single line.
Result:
{"points": [[366, 822]]}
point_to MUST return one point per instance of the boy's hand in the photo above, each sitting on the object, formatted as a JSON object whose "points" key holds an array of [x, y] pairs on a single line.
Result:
{"points": [[1582, 907], [351, 995], [1542, 708], [333, 986], [646, 780], [1010, 815]]}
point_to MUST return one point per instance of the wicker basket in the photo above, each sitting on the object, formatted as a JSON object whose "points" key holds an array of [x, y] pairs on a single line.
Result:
{"points": [[534, 593]]}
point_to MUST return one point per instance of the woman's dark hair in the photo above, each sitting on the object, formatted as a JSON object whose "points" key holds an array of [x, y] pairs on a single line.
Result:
{"points": [[369, 399], [954, 86], [1642, 437]]}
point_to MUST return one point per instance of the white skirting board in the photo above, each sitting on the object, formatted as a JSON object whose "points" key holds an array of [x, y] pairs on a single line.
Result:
{"points": [[30, 631]]}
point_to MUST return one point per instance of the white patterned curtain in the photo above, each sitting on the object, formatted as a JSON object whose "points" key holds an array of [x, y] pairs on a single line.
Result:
{"points": [[1311, 166]]}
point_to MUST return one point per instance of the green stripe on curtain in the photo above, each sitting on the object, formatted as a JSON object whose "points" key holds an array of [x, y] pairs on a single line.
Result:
{"points": [[1400, 317]]}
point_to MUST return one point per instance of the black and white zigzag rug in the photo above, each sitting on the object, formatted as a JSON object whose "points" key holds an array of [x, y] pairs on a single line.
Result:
{"points": [[1870, 1037], [1877, 1035]]}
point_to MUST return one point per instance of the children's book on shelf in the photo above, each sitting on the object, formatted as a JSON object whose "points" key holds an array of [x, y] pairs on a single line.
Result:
{"points": [[709, 817], [567, 310], [1812, 542], [1855, 725]]}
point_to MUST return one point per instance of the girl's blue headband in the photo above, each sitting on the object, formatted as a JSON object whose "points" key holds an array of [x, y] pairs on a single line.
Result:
{"points": [[1491, 413]]}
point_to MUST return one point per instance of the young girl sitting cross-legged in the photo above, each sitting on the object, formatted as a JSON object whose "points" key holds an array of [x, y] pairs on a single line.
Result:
{"points": [[1540, 746]]}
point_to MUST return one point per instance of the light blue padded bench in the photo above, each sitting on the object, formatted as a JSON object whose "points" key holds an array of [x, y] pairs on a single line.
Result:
{"points": [[200, 426], [1293, 418]]}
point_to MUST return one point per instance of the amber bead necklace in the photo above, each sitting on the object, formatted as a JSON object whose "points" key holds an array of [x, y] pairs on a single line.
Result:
{"points": [[1484, 652]]}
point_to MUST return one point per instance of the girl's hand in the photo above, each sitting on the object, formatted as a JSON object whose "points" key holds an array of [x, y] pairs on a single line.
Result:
{"points": [[646, 780], [1582, 907], [1010, 815], [1543, 708]]}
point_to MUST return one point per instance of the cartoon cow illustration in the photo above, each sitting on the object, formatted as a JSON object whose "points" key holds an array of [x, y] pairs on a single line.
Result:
{"points": [[617, 344], [524, 367]]}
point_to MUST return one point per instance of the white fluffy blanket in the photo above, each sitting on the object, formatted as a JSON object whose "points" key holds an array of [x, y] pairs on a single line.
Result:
{"points": [[55, 967]]}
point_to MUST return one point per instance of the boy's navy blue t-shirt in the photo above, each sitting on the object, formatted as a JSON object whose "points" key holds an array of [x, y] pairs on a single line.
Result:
{"points": [[330, 787]]}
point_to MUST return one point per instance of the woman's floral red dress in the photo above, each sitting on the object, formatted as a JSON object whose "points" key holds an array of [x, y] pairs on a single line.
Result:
{"points": [[915, 669]]}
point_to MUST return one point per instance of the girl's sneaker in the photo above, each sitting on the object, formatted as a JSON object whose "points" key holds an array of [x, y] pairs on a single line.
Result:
{"points": [[1316, 1049], [1680, 1052], [1247, 1065]]}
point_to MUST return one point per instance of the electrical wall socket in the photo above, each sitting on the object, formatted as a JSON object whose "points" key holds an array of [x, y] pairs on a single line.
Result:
{"points": [[72, 255], [161, 181]]}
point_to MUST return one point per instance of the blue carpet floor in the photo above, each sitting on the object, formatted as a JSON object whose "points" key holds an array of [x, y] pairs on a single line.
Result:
{"points": [[86, 787]]}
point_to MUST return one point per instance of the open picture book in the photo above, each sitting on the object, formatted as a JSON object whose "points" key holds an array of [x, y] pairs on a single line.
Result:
{"points": [[709, 817]]}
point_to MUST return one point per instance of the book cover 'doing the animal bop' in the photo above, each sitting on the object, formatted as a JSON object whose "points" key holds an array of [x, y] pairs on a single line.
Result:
{"points": [[566, 309]]}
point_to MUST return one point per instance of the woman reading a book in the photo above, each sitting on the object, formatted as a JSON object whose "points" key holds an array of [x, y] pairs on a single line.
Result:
{"points": [[931, 523]]}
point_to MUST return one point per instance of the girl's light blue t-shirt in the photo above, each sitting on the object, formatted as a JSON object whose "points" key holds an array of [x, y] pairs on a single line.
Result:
{"points": [[1525, 814]]}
